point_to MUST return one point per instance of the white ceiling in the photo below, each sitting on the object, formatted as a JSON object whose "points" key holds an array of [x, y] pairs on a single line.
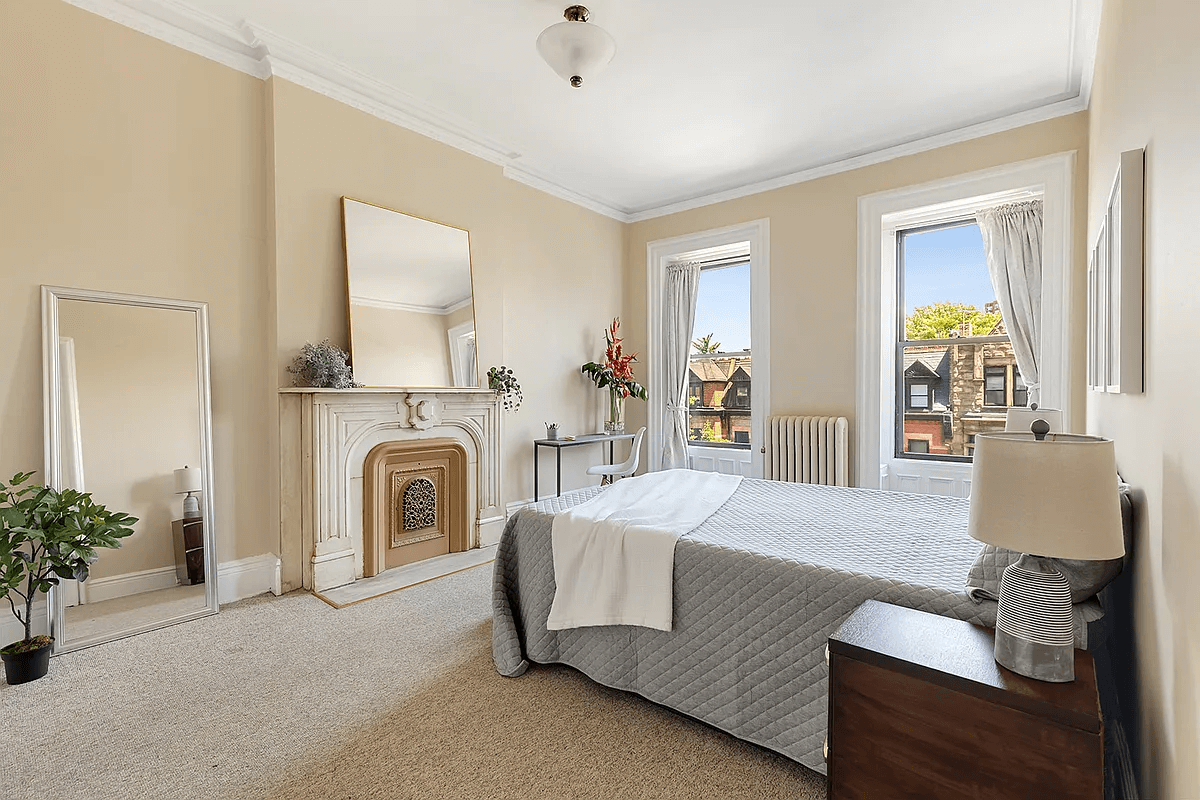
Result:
{"points": [[704, 100]]}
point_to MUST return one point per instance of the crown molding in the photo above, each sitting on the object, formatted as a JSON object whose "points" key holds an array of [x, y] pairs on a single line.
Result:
{"points": [[397, 305], [256, 51], [538, 180], [300, 65], [1085, 39], [1059, 108], [186, 27]]}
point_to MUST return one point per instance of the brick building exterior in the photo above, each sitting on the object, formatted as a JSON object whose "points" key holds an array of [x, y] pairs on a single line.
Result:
{"points": [[719, 391], [954, 392]]}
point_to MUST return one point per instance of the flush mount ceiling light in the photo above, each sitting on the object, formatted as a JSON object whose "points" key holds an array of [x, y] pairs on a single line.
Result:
{"points": [[575, 48]]}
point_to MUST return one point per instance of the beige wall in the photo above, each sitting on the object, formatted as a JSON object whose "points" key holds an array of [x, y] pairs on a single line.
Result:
{"points": [[464, 314], [547, 274], [389, 342], [133, 166], [139, 420], [814, 251], [1147, 74], [129, 165]]}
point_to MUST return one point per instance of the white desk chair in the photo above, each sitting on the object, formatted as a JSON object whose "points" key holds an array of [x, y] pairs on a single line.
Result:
{"points": [[611, 472]]}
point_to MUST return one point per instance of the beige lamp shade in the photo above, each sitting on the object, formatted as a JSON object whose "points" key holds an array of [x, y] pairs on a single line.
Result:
{"points": [[1056, 497], [187, 480]]}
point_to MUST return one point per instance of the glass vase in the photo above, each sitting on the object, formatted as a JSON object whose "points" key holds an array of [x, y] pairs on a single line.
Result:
{"points": [[616, 413]]}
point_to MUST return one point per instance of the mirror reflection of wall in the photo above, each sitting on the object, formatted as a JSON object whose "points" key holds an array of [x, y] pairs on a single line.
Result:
{"points": [[412, 312], [130, 416]]}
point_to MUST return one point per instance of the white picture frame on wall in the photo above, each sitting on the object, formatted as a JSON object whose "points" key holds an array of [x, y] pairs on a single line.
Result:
{"points": [[1097, 313], [1115, 293]]}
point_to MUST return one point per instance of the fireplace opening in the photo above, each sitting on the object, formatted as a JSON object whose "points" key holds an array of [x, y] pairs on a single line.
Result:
{"points": [[414, 503]]}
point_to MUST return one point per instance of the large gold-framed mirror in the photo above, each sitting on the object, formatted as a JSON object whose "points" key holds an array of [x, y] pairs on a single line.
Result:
{"points": [[411, 300]]}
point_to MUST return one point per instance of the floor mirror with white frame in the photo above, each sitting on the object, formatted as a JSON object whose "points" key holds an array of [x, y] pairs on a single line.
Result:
{"points": [[128, 420]]}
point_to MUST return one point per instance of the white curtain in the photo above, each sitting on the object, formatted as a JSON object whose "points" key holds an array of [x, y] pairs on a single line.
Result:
{"points": [[70, 443], [70, 436], [1012, 237], [683, 284]]}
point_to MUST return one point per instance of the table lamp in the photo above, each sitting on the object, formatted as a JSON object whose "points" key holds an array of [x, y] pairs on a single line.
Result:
{"points": [[187, 482], [1045, 496]]}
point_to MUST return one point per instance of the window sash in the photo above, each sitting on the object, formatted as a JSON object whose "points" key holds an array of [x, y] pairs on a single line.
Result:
{"points": [[918, 395], [995, 386], [902, 400]]}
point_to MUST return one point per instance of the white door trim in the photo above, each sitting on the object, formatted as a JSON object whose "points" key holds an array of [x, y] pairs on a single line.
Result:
{"points": [[462, 373], [664, 251], [1053, 176]]}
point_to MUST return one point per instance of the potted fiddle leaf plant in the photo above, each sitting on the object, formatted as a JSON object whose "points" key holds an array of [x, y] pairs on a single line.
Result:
{"points": [[46, 536]]}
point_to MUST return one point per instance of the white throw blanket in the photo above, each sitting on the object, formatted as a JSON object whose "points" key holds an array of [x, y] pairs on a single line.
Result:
{"points": [[614, 556]]}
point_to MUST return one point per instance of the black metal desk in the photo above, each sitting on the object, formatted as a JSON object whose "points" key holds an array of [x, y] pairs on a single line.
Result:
{"points": [[559, 444]]}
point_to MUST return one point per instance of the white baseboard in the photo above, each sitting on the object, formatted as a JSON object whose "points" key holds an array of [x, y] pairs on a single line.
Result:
{"points": [[490, 535], [247, 577], [236, 580], [517, 505], [97, 590]]}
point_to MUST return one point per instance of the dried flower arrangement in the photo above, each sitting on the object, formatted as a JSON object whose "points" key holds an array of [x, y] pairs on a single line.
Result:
{"points": [[502, 380], [322, 366]]}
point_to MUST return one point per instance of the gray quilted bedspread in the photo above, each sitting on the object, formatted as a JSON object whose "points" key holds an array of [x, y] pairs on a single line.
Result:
{"points": [[758, 589]]}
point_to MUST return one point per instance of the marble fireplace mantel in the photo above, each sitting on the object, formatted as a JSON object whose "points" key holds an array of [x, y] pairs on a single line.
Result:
{"points": [[325, 435]]}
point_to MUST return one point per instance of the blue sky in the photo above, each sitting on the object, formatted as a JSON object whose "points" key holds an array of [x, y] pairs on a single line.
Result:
{"points": [[948, 264], [723, 307]]}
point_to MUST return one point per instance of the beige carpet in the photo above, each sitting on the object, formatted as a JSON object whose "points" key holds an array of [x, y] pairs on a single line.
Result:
{"points": [[396, 698]]}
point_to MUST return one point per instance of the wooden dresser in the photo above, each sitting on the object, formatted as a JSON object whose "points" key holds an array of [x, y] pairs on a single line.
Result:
{"points": [[189, 550], [918, 708]]}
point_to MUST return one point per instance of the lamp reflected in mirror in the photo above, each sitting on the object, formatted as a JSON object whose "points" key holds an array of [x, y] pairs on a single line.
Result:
{"points": [[411, 300], [187, 483]]}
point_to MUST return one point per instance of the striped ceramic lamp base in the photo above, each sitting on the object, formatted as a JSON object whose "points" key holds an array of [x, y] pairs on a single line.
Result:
{"points": [[1035, 633]]}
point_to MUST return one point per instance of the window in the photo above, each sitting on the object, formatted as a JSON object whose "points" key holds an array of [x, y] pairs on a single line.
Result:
{"points": [[948, 325], [1020, 390], [995, 386], [918, 395], [739, 397], [741, 437], [886, 295], [721, 357]]}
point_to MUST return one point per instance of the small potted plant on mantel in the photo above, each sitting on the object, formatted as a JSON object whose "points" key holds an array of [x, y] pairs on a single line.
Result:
{"points": [[45, 536]]}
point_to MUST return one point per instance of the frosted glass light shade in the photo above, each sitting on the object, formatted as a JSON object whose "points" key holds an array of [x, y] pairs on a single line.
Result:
{"points": [[576, 50], [1055, 498], [187, 480]]}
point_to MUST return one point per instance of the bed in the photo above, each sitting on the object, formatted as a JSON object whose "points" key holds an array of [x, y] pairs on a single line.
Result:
{"points": [[757, 589]]}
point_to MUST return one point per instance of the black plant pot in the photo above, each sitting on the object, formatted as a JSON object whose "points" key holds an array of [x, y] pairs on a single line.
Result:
{"points": [[26, 667]]}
